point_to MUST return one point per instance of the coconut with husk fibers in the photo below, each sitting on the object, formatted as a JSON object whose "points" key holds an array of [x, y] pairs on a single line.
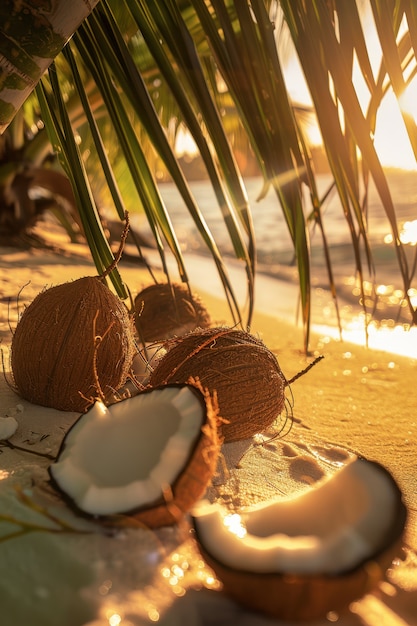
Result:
{"points": [[238, 366], [145, 460], [72, 344], [303, 557], [165, 310]]}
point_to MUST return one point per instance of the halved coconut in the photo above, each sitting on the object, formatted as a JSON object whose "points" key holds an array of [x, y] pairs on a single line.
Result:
{"points": [[302, 557], [150, 456]]}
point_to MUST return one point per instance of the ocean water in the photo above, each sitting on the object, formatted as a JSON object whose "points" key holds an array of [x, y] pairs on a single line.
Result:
{"points": [[276, 284]]}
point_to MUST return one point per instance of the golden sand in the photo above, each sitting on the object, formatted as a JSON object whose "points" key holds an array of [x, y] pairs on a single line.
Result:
{"points": [[355, 399]]}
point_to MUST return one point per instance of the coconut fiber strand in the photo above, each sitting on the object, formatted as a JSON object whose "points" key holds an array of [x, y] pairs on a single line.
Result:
{"points": [[237, 366]]}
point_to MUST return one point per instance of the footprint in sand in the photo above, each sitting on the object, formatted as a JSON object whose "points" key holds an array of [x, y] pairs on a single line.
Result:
{"points": [[289, 450], [305, 470], [333, 455]]}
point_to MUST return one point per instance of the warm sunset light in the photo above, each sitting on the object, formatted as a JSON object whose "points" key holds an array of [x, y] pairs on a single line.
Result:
{"points": [[185, 144], [408, 234], [408, 101], [395, 339], [391, 141], [208, 313], [234, 524]]}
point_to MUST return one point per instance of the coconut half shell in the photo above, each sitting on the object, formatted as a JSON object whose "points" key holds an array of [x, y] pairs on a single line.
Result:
{"points": [[239, 367], [73, 343], [163, 311], [299, 558], [149, 457]]}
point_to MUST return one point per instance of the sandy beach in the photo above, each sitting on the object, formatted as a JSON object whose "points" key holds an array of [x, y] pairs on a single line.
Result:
{"points": [[355, 400]]}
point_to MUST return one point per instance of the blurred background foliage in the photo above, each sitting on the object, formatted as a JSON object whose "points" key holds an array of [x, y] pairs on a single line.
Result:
{"points": [[99, 136]]}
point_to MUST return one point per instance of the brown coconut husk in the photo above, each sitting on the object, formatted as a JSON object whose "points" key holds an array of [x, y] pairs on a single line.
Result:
{"points": [[163, 311], [236, 365], [297, 597], [73, 343]]}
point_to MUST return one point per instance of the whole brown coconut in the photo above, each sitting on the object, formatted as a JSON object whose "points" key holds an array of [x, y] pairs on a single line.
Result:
{"points": [[164, 310], [243, 372], [73, 343]]}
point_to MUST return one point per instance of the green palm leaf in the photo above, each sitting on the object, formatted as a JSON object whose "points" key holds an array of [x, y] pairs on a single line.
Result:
{"points": [[61, 134], [137, 72]]}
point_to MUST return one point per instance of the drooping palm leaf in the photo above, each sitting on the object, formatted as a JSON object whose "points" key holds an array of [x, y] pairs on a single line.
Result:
{"points": [[143, 178], [157, 23], [119, 64], [208, 57], [62, 138], [321, 54], [244, 50]]}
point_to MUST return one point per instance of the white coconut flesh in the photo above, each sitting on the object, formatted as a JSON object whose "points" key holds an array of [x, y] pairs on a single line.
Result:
{"points": [[328, 529], [122, 457]]}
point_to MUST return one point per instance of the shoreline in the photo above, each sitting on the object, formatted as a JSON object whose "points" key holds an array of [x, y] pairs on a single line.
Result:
{"points": [[277, 297]]}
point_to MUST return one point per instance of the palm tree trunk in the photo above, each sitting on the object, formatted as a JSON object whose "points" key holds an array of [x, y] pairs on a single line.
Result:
{"points": [[32, 33]]}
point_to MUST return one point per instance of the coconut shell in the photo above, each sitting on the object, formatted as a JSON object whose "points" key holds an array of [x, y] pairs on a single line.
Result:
{"points": [[297, 596], [70, 339], [192, 483], [236, 365], [164, 310], [189, 485]]}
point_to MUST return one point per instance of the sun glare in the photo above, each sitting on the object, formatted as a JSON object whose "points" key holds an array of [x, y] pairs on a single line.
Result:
{"points": [[185, 144], [234, 524], [391, 140], [408, 233], [408, 100], [115, 619]]}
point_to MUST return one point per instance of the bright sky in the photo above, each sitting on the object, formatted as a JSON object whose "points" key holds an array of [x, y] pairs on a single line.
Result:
{"points": [[391, 139]]}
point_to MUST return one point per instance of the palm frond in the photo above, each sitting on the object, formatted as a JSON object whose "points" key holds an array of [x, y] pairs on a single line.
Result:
{"points": [[61, 133], [136, 72]]}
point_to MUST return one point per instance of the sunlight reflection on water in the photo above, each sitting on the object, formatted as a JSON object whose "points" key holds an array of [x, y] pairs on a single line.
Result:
{"points": [[397, 339], [276, 283]]}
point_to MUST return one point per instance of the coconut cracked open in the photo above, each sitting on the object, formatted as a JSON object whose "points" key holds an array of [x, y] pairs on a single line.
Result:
{"points": [[148, 457]]}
